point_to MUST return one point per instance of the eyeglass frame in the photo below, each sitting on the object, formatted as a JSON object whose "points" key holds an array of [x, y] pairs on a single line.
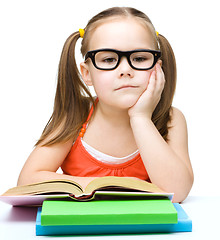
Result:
{"points": [[127, 54]]}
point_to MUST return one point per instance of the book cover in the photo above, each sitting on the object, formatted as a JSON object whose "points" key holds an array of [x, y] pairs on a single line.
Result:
{"points": [[30, 200], [184, 224], [104, 212]]}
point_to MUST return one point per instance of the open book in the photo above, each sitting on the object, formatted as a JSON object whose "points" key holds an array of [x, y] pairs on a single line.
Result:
{"points": [[110, 185]]}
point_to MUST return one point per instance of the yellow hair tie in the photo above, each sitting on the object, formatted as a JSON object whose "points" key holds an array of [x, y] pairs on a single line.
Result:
{"points": [[81, 32], [157, 33]]}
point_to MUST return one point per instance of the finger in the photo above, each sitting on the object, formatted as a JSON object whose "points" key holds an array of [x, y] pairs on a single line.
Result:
{"points": [[159, 62], [160, 78], [159, 71], [152, 82]]}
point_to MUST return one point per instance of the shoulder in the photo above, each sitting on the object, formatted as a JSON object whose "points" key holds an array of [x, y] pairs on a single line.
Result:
{"points": [[177, 117], [176, 113], [177, 127]]}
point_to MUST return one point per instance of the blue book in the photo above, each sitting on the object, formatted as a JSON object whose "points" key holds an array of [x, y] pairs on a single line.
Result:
{"points": [[184, 225]]}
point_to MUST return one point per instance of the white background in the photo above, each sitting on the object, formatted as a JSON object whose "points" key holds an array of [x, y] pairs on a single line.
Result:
{"points": [[32, 34]]}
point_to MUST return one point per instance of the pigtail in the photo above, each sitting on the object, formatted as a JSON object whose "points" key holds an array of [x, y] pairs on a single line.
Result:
{"points": [[71, 104], [161, 115]]}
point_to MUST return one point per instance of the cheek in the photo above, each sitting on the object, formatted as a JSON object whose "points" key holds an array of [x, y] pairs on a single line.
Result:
{"points": [[102, 82], [145, 77]]}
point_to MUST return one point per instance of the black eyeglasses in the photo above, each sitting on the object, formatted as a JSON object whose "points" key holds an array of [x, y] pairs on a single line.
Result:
{"points": [[109, 59]]}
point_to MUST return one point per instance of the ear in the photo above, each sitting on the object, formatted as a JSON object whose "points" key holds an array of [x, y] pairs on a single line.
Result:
{"points": [[85, 74]]}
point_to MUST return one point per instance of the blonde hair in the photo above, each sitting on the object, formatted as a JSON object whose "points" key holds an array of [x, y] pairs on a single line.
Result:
{"points": [[73, 99]]}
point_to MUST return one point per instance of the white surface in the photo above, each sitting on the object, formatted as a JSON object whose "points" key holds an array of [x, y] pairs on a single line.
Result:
{"points": [[19, 222], [32, 37]]}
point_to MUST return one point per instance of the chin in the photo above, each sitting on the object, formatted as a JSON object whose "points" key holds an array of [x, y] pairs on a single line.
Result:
{"points": [[127, 102]]}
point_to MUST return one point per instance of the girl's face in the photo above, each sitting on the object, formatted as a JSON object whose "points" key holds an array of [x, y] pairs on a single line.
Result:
{"points": [[122, 86]]}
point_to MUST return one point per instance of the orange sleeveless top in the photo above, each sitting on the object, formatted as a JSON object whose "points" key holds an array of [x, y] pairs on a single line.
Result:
{"points": [[80, 163]]}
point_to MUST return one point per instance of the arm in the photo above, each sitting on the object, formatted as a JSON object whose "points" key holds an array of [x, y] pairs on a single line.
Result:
{"points": [[43, 163], [167, 163]]}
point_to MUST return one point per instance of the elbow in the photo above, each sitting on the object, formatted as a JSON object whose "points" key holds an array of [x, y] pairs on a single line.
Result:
{"points": [[183, 190], [179, 197], [27, 178], [21, 180]]}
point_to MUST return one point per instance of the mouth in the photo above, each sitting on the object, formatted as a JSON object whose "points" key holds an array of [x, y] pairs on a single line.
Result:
{"points": [[126, 87]]}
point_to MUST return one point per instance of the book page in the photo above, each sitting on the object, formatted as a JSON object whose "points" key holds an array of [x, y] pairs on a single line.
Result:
{"points": [[126, 182], [53, 186]]}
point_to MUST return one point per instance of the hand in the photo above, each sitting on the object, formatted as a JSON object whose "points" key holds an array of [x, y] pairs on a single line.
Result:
{"points": [[83, 181], [149, 99]]}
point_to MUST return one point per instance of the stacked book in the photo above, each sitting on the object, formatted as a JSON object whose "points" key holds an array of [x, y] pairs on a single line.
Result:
{"points": [[119, 205], [59, 217]]}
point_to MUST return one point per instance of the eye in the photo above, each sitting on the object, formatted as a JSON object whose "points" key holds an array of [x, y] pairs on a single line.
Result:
{"points": [[109, 60], [139, 59]]}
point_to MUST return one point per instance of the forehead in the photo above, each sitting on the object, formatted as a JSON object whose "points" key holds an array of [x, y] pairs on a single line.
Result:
{"points": [[122, 34]]}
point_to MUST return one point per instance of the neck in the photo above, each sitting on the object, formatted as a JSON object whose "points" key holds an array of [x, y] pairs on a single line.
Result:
{"points": [[118, 117]]}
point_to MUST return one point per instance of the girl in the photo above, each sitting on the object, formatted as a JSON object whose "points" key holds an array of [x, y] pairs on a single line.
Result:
{"points": [[130, 129]]}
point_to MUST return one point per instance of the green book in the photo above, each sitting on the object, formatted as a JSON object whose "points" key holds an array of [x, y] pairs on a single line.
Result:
{"points": [[103, 212]]}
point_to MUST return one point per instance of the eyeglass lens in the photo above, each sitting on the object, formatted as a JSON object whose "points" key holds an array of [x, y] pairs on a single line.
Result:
{"points": [[108, 60]]}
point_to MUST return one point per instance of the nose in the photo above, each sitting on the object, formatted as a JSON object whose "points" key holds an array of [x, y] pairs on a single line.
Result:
{"points": [[124, 68]]}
